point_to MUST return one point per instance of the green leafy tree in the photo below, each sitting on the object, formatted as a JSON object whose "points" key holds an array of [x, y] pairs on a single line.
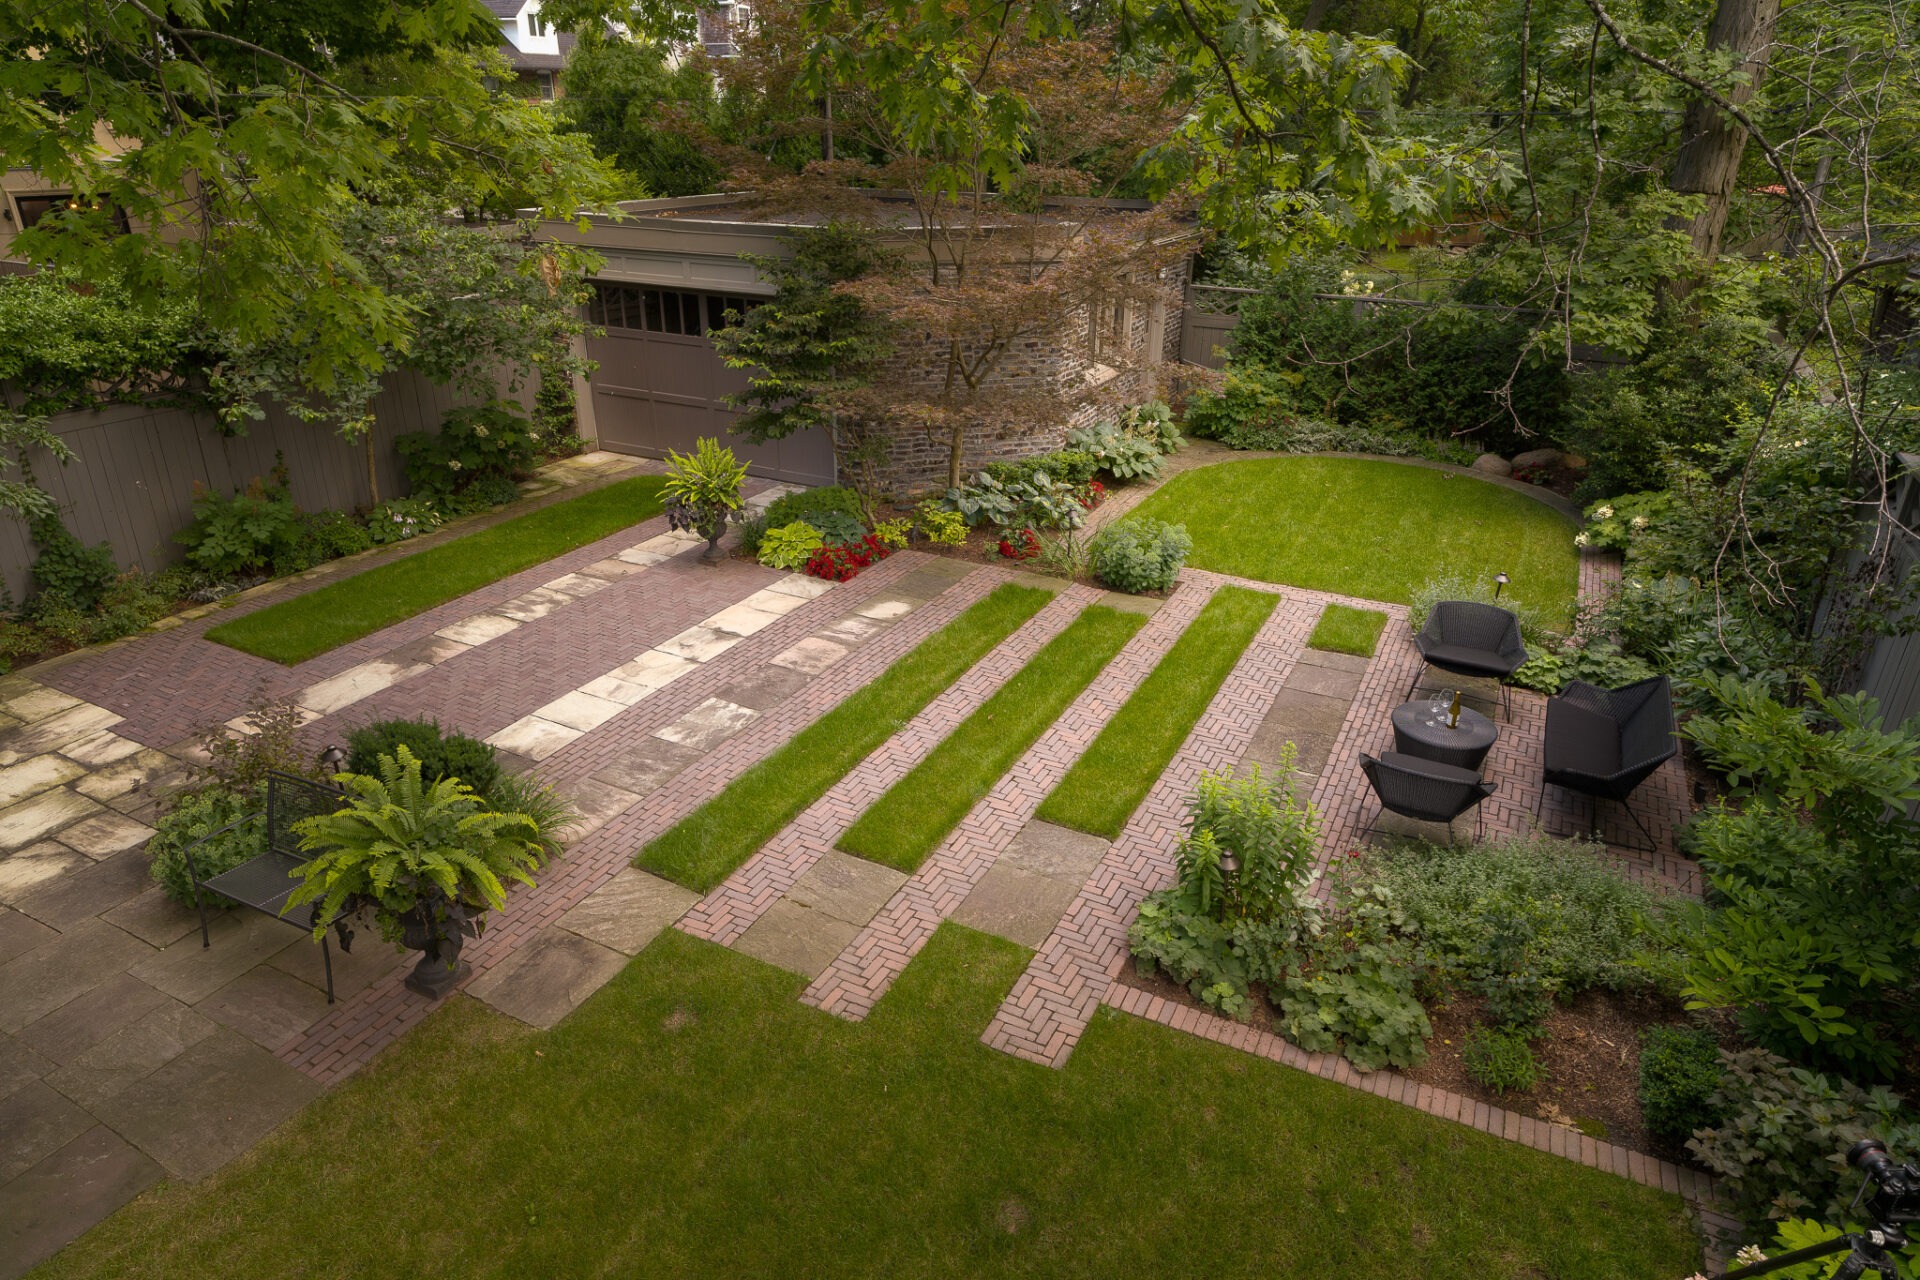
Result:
{"points": [[648, 118]]}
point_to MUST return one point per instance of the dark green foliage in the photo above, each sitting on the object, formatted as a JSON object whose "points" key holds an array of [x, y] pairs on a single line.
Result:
{"points": [[1596, 662], [809, 503], [1139, 554], [1066, 466], [1679, 1074], [809, 342], [1781, 1133], [1502, 1060], [1509, 975], [441, 754], [1255, 409], [67, 570], [1354, 986], [475, 442], [66, 343], [197, 815], [332, 534], [641, 114], [835, 527], [245, 534]]}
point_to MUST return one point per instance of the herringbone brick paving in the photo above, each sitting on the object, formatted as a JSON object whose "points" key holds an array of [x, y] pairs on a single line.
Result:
{"points": [[727, 912], [855, 981], [1049, 1007]]}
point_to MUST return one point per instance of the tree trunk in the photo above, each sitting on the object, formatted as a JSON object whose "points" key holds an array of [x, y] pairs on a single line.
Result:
{"points": [[373, 475], [1711, 144], [1316, 14], [956, 440]]}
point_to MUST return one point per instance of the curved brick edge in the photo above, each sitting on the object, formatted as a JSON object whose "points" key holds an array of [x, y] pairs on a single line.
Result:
{"points": [[1698, 1189], [1051, 1003], [731, 908], [855, 981]]}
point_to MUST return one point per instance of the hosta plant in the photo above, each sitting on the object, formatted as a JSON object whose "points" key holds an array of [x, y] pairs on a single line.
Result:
{"points": [[790, 546]]}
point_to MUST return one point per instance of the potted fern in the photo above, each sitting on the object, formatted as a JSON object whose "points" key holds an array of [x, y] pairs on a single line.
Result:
{"points": [[429, 861], [703, 493]]}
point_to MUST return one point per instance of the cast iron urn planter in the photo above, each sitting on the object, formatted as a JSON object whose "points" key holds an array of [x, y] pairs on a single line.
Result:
{"points": [[708, 521], [437, 931]]}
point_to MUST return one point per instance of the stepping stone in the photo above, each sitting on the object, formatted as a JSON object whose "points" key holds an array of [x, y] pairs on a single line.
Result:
{"points": [[430, 651], [534, 738], [1058, 852], [139, 769], [614, 689], [598, 803], [154, 918], [104, 835], [645, 767], [629, 911], [37, 703], [547, 978], [765, 688], [700, 643], [576, 585], [208, 1105], [742, 619], [654, 669], [535, 604], [639, 557], [87, 891], [773, 600], [851, 629], [888, 609], [707, 725], [1147, 605], [797, 939], [19, 1066], [100, 748], [25, 870], [131, 1054], [845, 887], [67, 1193], [34, 775], [1310, 721], [478, 629], [20, 934], [803, 585], [669, 544], [1015, 903], [613, 569], [88, 1018], [1328, 682], [266, 1005], [355, 683], [371, 959], [811, 656], [190, 972], [580, 710], [44, 814], [35, 1122], [1333, 661]]}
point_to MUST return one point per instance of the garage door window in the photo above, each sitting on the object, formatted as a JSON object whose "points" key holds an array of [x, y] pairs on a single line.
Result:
{"points": [[623, 306]]}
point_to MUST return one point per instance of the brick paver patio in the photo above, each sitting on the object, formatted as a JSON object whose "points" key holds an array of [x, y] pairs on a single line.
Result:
{"points": [[642, 683]]}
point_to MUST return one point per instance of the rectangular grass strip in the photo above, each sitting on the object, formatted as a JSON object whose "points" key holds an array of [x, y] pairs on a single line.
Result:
{"points": [[907, 823], [704, 847], [1345, 630], [341, 612], [1108, 783]]}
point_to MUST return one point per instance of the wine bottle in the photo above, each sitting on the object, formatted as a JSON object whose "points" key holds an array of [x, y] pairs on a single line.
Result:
{"points": [[1453, 712]]}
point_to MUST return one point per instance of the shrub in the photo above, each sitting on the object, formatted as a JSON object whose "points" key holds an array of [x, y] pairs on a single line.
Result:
{"points": [[1617, 523], [401, 519], [1140, 555], [1780, 1141], [1595, 661], [242, 535], [1020, 544], [197, 814], [940, 526], [789, 507], [240, 762], [484, 494], [790, 546], [492, 441], [441, 754], [1071, 467], [332, 534], [1254, 409], [837, 527], [1541, 629], [1679, 1074], [68, 570], [1501, 1060], [1123, 455], [894, 533], [1036, 502], [753, 530], [1351, 988], [1555, 901]]}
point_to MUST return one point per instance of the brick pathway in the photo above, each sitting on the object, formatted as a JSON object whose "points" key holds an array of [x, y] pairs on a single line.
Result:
{"points": [[726, 913], [855, 982]]}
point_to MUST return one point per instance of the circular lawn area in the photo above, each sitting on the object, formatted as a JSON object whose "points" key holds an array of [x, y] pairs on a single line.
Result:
{"points": [[1372, 529]]}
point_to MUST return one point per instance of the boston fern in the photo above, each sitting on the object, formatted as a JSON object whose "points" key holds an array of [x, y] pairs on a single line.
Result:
{"points": [[403, 846]]}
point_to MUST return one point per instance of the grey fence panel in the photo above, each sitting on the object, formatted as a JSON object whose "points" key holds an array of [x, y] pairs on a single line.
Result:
{"points": [[132, 481]]}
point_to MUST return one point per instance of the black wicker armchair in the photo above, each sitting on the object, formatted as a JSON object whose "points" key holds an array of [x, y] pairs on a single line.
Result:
{"points": [[1423, 789], [1468, 638], [1606, 742]]}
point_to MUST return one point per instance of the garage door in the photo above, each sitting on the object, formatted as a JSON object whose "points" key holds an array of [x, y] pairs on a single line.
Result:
{"points": [[661, 384]]}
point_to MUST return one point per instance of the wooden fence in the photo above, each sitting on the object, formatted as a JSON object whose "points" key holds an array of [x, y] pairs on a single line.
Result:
{"points": [[132, 483]]}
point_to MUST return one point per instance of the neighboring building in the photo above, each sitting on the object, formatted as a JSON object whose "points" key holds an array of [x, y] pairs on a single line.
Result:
{"points": [[536, 52], [670, 271], [720, 27]]}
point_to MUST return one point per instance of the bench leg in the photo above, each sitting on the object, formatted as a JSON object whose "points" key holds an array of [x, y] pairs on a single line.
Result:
{"points": [[326, 958]]}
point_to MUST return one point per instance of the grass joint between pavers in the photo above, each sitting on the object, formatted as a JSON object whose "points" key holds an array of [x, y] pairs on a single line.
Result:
{"points": [[1343, 629]]}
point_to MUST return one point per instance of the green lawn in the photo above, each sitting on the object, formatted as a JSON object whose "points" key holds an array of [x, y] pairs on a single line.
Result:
{"points": [[341, 612], [704, 847], [1108, 783], [693, 1119], [907, 823], [1344, 630], [1377, 530]]}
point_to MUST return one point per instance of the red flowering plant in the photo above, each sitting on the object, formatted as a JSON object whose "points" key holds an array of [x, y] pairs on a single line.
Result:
{"points": [[839, 561], [1024, 545], [1092, 494]]}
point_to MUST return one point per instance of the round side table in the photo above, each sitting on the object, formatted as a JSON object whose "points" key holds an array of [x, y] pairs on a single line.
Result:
{"points": [[1419, 731]]}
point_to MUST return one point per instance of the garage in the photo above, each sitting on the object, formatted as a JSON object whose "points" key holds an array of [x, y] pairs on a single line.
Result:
{"points": [[661, 385]]}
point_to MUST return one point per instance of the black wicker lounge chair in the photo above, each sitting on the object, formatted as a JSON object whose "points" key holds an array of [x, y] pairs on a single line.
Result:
{"points": [[1471, 639], [1606, 742], [1423, 789]]}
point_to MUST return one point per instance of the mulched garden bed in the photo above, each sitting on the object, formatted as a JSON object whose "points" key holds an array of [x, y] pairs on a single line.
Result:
{"points": [[1590, 1056]]}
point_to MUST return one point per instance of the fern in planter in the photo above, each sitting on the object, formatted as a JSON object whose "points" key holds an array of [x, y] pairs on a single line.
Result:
{"points": [[703, 491]]}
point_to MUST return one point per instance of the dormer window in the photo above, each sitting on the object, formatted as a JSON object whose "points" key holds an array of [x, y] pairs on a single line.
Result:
{"points": [[536, 25]]}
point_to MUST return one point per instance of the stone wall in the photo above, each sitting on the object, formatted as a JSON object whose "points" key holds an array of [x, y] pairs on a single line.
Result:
{"points": [[917, 456]]}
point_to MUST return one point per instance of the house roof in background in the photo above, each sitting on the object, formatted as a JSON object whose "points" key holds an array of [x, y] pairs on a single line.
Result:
{"points": [[539, 61], [506, 8]]}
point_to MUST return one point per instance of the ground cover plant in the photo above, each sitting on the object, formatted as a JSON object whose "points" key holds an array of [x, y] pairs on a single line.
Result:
{"points": [[1343, 629], [695, 1119], [703, 848], [907, 823], [341, 612], [1108, 781], [1376, 530]]}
